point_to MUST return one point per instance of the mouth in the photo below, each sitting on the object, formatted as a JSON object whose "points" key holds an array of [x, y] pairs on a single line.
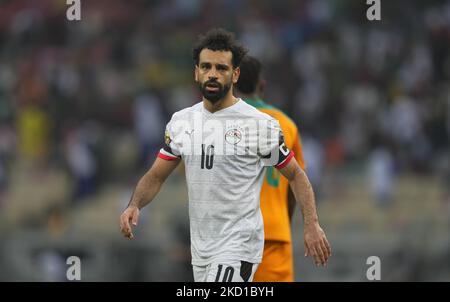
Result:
{"points": [[213, 87]]}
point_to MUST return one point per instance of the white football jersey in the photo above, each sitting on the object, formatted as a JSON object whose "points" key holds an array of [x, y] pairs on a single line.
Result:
{"points": [[225, 153]]}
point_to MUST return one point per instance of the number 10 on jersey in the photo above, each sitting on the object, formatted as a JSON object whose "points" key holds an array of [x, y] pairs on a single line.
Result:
{"points": [[207, 157]]}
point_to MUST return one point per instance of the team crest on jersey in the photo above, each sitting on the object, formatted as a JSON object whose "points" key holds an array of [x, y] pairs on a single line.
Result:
{"points": [[233, 136], [167, 138]]}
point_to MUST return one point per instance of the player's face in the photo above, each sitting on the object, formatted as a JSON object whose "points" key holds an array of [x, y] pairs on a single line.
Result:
{"points": [[215, 74]]}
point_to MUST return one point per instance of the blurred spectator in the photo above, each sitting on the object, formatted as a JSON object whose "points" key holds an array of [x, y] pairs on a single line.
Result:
{"points": [[51, 265], [34, 126], [314, 156], [7, 150], [149, 126], [380, 173], [3, 181], [81, 161]]}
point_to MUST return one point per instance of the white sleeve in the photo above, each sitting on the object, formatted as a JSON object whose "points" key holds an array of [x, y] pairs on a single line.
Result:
{"points": [[170, 150]]}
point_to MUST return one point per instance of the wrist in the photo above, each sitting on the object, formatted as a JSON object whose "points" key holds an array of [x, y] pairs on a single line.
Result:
{"points": [[133, 206], [313, 221]]}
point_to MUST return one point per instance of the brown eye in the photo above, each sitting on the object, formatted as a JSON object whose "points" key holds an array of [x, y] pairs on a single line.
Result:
{"points": [[222, 68], [204, 66]]}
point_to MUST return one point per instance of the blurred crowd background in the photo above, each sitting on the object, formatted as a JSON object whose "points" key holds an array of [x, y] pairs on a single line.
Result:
{"points": [[83, 106]]}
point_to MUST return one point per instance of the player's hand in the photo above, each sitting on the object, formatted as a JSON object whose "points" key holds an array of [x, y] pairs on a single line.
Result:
{"points": [[130, 215], [316, 244]]}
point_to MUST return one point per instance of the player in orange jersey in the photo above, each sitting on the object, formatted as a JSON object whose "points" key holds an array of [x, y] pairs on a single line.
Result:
{"points": [[276, 206]]}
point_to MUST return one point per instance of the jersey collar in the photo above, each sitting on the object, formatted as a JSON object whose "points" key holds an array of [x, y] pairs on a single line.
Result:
{"points": [[224, 110]]}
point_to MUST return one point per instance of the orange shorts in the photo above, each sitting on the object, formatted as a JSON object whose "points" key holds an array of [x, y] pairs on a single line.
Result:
{"points": [[277, 263]]}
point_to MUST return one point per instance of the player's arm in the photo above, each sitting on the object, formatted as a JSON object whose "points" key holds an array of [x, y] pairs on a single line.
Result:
{"points": [[298, 155], [316, 243], [146, 189]]}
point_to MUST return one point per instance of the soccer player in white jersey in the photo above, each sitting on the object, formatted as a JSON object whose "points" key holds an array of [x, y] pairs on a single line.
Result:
{"points": [[225, 145]]}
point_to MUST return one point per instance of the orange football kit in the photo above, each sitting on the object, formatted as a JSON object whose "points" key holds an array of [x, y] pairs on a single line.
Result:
{"points": [[277, 263]]}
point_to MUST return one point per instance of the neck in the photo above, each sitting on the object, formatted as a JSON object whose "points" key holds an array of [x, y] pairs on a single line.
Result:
{"points": [[227, 101]]}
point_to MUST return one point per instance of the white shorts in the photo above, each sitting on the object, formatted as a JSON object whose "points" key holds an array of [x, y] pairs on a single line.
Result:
{"points": [[225, 271]]}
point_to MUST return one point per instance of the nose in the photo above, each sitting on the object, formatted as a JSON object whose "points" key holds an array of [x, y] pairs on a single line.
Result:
{"points": [[213, 74], [212, 78]]}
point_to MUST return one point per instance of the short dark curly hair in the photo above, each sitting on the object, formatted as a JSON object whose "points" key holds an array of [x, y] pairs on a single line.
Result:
{"points": [[250, 75], [218, 39]]}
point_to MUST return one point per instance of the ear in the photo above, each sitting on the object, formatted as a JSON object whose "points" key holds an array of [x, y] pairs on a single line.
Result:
{"points": [[196, 73], [236, 73]]}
